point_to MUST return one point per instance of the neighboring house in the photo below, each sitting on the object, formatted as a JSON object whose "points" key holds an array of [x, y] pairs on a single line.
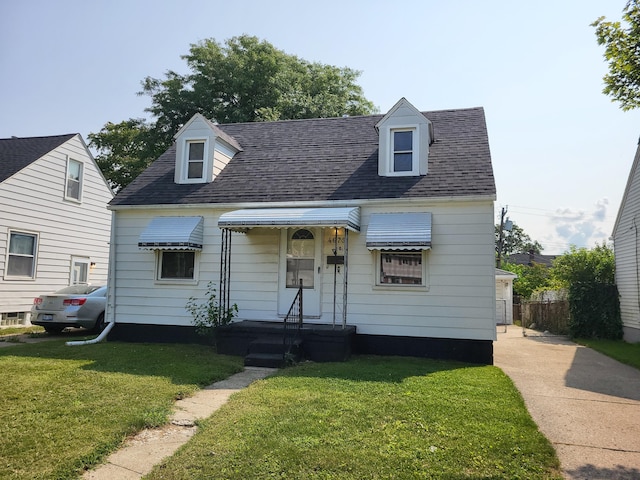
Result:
{"points": [[626, 248], [504, 296], [54, 222], [530, 258], [387, 219]]}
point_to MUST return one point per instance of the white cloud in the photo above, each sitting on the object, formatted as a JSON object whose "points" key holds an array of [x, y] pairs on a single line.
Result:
{"points": [[581, 228]]}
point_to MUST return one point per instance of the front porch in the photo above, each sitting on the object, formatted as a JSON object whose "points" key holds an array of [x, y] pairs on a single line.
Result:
{"points": [[259, 341]]}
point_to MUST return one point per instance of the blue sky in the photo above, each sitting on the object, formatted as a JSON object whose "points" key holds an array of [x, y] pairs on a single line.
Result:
{"points": [[561, 150]]}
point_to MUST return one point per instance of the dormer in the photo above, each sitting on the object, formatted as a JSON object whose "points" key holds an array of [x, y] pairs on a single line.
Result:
{"points": [[404, 138], [202, 151]]}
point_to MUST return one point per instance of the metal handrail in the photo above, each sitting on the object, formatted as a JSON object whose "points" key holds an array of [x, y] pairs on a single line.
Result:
{"points": [[292, 322]]}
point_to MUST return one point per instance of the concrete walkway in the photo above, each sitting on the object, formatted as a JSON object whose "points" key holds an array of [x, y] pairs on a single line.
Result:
{"points": [[585, 403], [150, 447]]}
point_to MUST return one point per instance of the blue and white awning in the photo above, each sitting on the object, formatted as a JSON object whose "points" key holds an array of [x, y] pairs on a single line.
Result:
{"points": [[346, 217], [399, 231], [173, 233]]}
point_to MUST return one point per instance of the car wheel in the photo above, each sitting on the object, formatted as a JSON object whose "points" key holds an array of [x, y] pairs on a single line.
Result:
{"points": [[99, 326], [53, 329]]}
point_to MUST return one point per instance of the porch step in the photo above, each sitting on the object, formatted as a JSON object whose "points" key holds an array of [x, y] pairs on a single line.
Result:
{"points": [[270, 360], [269, 352]]}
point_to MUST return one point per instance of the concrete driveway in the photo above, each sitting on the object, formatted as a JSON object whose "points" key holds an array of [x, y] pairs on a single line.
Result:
{"points": [[585, 403]]}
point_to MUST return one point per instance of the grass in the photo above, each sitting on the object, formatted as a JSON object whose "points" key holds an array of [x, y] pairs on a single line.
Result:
{"points": [[65, 408], [7, 333], [619, 350], [373, 418]]}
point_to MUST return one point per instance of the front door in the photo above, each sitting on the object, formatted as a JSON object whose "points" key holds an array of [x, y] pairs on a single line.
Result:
{"points": [[300, 259]]}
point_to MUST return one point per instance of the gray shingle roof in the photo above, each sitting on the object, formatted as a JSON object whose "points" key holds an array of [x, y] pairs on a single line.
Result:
{"points": [[18, 153], [327, 159]]}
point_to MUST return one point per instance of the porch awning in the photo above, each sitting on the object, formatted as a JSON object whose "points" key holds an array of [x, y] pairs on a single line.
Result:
{"points": [[399, 231], [173, 233], [346, 217]]}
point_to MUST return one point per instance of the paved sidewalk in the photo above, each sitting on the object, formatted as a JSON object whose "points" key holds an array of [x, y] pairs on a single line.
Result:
{"points": [[149, 447], [585, 403]]}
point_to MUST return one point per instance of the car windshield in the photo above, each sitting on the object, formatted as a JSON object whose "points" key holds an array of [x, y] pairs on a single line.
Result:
{"points": [[78, 290]]}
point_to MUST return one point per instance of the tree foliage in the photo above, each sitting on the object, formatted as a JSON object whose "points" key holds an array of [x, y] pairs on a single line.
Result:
{"points": [[593, 297], [530, 278], [581, 265], [622, 52], [515, 241], [243, 80]]}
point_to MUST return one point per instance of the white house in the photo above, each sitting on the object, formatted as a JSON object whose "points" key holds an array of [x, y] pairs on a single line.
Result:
{"points": [[54, 222], [387, 220], [504, 296], [626, 248]]}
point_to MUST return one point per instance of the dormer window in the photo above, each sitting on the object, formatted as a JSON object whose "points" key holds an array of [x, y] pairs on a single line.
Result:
{"points": [[402, 150], [404, 138], [195, 161], [203, 150]]}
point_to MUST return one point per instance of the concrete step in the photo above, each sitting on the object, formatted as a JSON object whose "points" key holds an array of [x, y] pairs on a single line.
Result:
{"points": [[270, 360], [274, 345]]}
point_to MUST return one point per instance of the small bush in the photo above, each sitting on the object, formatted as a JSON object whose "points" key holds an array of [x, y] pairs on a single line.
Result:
{"points": [[209, 315]]}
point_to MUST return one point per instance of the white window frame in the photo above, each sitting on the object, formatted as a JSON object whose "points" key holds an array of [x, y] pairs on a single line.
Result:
{"points": [[71, 161], [159, 279], [415, 153], [80, 261], [377, 267], [205, 160], [34, 256]]}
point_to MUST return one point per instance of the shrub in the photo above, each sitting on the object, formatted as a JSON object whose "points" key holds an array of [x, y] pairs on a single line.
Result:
{"points": [[595, 311], [209, 315]]}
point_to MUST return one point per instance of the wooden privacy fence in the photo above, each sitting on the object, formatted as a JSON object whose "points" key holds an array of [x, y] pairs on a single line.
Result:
{"points": [[552, 316]]}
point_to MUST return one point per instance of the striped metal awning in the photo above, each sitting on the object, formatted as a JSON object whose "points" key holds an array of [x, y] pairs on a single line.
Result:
{"points": [[399, 231], [240, 220], [173, 233]]}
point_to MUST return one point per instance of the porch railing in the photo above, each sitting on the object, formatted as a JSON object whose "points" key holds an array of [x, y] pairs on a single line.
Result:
{"points": [[292, 322]]}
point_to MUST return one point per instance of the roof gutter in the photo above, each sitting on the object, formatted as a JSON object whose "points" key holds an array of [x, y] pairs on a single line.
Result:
{"points": [[311, 204], [111, 292]]}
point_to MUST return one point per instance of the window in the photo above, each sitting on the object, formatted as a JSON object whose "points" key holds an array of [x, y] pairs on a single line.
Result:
{"points": [[176, 265], [301, 248], [401, 267], [79, 270], [21, 261], [402, 150], [195, 159], [74, 180]]}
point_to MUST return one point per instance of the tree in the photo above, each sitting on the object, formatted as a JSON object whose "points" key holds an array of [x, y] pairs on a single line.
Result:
{"points": [[622, 83], [515, 241], [530, 278], [124, 150], [581, 265], [244, 80], [593, 296]]}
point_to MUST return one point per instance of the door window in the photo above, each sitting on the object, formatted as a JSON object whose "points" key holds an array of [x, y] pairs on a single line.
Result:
{"points": [[301, 248]]}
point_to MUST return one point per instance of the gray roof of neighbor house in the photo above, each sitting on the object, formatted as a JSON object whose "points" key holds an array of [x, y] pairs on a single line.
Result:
{"points": [[329, 159], [530, 258], [17, 153]]}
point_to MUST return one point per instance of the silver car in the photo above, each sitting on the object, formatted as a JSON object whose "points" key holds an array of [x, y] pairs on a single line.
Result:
{"points": [[74, 306]]}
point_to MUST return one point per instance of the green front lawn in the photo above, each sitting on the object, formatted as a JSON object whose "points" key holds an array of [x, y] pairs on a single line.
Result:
{"points": [[370, 418], [65, 408]]}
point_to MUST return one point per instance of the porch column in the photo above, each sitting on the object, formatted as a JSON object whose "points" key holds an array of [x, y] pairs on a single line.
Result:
{"points": [[346, 276], [225, 270]]}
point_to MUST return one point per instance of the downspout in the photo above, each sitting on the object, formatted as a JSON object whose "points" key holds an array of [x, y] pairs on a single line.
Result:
{"points": [[111, 291]]}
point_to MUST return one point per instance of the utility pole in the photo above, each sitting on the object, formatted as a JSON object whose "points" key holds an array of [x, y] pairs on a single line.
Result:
{"points": [[501, 237]]}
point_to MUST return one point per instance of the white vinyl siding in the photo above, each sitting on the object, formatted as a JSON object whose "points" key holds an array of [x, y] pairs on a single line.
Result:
{"points": [[459, 303], [33, 201], [626, 243]]}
